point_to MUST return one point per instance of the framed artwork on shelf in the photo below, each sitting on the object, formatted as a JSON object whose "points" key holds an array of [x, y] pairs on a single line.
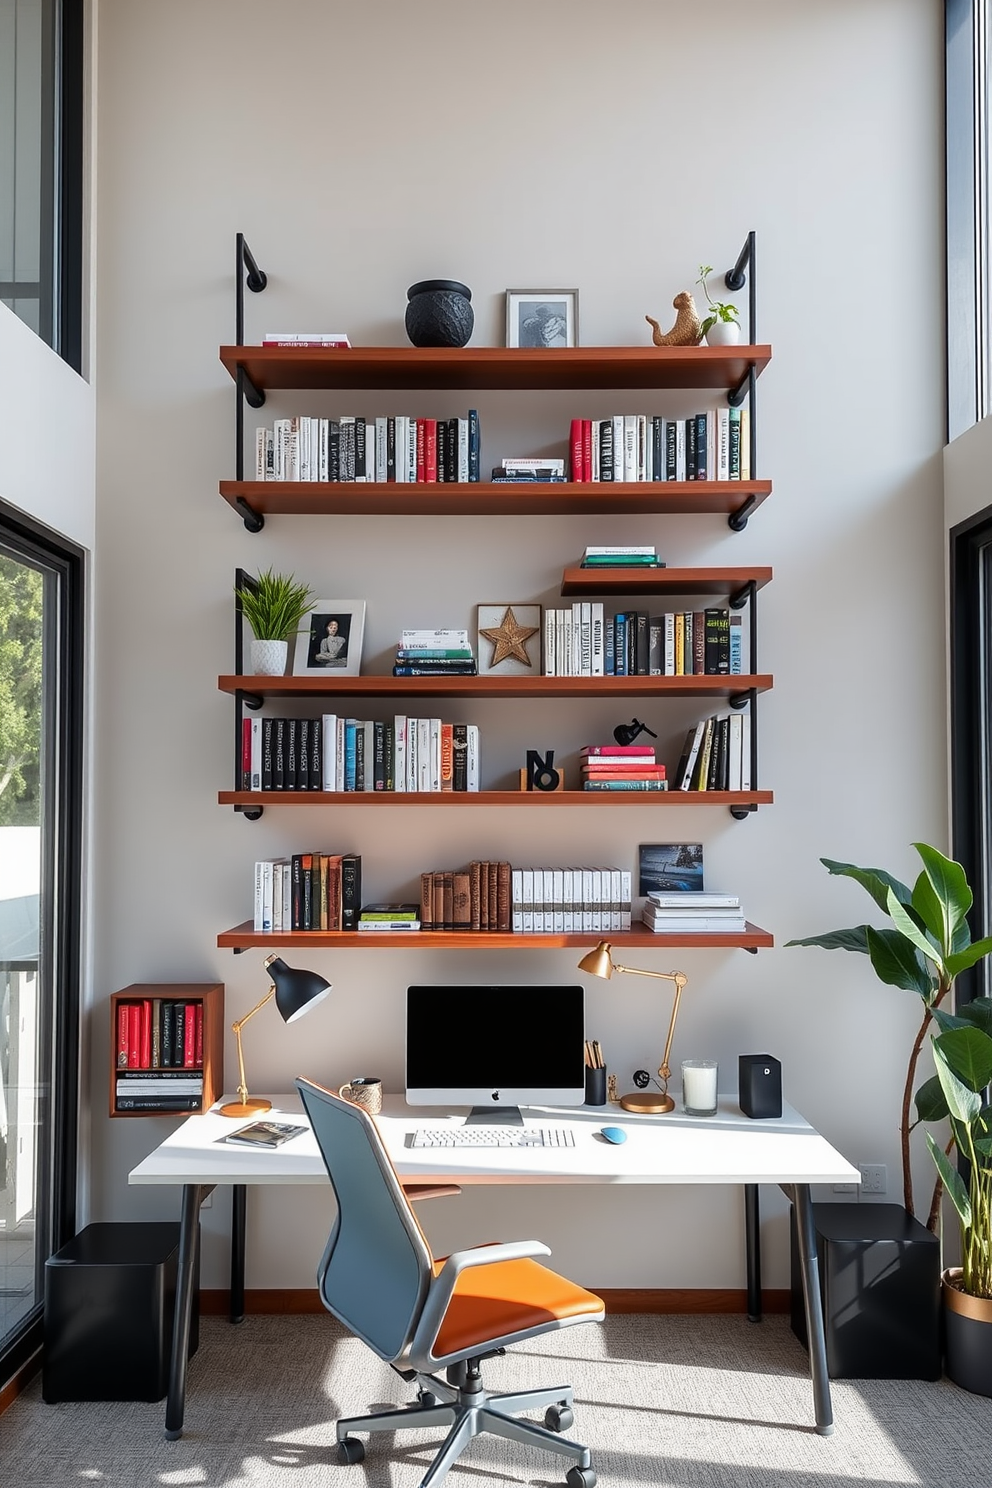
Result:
{"points": [[542, 317], [509, 640], [670, 867], [332, 639]]}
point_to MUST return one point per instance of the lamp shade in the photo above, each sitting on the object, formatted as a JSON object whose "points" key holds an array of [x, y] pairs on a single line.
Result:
{"points": [[297, 991], [599, 961]]}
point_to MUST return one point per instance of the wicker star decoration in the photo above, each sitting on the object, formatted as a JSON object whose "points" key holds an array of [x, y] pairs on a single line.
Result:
{"points": [[508, 639]]}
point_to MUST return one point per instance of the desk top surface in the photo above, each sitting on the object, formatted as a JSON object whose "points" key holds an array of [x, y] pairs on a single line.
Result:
{"points": [[726, 1148]]}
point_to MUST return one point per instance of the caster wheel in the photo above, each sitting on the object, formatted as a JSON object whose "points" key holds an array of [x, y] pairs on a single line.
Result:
{"points": [[558, 1418], [580, 1477], [426, 1398], [351, 1450]]}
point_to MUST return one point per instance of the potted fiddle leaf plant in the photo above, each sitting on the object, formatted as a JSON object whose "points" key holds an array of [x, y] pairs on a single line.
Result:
{"points": [[274, 605], [963, 1059], [721, 325]]}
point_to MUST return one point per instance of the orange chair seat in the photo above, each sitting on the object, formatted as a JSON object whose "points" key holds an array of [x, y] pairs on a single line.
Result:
{"points": [[508, 1297]]}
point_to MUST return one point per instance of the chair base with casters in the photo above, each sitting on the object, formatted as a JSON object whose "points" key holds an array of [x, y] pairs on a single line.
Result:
{"points": [[461, 1403], [435, 1320]]}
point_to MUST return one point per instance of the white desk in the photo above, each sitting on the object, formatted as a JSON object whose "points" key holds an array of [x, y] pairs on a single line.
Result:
{"points": [[726, 1148]]}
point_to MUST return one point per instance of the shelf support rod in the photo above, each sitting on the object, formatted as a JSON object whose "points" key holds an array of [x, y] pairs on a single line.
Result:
{"points": [[737, 520], [246, 272], [736, 278], [253, 520], [250, 813], [742, 597]]}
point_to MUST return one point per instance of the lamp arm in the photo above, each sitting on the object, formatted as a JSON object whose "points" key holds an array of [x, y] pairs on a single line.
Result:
{"points": [[680, 979], [236, 1030]]}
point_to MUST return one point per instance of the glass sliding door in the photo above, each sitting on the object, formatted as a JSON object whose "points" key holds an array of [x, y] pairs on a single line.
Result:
{"points": [[41, 659]]}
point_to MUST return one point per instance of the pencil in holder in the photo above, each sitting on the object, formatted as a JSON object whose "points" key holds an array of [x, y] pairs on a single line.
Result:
{"points": [[595, 1086]]}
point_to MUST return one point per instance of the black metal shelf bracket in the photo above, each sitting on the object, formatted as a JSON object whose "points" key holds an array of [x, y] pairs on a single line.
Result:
{"points": [[751, 950], [253, 396], [741, 813], [743, 596], [246, 271], [253, 520], [736, 278], [250, 813], [736, 396], [737, 520]]}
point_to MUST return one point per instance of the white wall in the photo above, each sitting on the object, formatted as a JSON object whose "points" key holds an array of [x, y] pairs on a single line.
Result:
{"points": [[361, 147]]}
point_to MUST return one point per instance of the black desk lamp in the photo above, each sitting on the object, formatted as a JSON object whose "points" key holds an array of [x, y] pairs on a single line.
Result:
{"points": [[601, 963], [295, 992]]}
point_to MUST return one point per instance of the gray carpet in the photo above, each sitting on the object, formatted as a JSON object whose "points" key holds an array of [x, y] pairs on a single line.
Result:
{"points": [[671, 1402]]}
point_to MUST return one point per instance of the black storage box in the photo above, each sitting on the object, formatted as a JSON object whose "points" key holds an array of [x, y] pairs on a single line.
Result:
{"points": [[109, 1302], [880, 1289]]}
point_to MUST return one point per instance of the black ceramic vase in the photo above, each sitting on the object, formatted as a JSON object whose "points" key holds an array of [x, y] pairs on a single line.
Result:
{"points": [[439, 313]]}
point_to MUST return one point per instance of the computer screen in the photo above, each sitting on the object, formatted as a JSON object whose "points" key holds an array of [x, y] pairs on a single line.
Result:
{"points": [[496, 1047]]}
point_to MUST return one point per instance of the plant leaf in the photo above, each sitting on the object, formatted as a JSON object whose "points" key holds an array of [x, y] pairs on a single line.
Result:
{"points": [[854, 939], [953, 1182], [950, 885], [896, 963], [945, 1021], [931, 1104], [906, 925], [875, 880], [968, 1053], [963, 1104], [931, 910], [954, 965], [979, 1013]]}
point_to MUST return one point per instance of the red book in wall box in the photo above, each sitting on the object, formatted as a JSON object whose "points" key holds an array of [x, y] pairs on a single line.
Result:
{"points": [[189, 1036], [134, 1035], [199, 1034], [145, 1047], [122, 1035]]}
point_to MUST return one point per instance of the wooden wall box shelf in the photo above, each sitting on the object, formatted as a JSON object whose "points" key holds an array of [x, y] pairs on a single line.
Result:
{"points": [[490, 686], [243, 937], [211, 994], [469, 799]]}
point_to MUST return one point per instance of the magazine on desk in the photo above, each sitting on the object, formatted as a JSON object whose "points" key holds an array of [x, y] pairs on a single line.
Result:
{"points": [[264, 1134]]}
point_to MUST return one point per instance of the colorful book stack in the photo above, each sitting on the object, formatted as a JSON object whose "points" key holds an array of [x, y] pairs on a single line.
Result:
{"points": [[308, 891], [159, 1055], [715, 445], [389, 917], [692, 912], [569, 901], [434, 653], [472, 898], [621, 767], [622, 556]]}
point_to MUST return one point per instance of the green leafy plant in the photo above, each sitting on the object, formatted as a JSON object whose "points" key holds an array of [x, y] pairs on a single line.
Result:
{"points": [[718, 310], [275, 605], [962, 1055], [927, 945]]}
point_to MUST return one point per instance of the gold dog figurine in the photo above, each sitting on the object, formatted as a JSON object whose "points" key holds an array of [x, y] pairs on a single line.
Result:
{"points": [[688, 328]]}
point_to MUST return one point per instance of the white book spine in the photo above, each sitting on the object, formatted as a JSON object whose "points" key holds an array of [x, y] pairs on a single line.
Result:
{"points": [[293, 449], [527, 899], [463, 449], [711, 445], [598, 649], [630, 447], [568, 904], [549, 643], [423, 754], [616, 898], [261, 436], [516, 901], [668, 658], [625, 885], [595, 448], [585, 640], [680, 449], [723, 444], [472, 751], [558, 900], [380, 449], [435, 762], [746, 751], [399, 752], [258, 921], [328, 751], [618, 462], [339, 754], [745, 442]]}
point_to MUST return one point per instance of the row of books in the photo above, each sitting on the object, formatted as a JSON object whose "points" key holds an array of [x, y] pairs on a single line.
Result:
{"points": [[715, 445], [695, 912], [619, 767], [716, 754], [582, 641], [334, 753], [397, 448], [308, 891], [472, 898], [551, 901], [159, 1055]]}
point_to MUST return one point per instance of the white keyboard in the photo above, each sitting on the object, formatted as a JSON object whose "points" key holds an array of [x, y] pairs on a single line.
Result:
{"points": [[493, 1136]]}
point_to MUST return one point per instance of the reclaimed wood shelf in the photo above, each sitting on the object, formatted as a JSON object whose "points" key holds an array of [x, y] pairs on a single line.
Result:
{"points": [[486, 499], [723, 581], [244, 938], [528, 799], [497, 687], [486, 367]]}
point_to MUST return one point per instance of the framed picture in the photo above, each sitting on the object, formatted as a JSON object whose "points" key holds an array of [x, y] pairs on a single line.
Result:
{"points": [[332, 640], [542, 317], [670, 867], [509, 640]]}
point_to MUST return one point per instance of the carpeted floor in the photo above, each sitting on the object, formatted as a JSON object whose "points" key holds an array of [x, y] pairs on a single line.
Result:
{"points": [[671, 1402]]}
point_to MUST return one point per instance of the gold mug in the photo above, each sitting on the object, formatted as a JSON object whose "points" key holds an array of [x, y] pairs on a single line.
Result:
{"points": [[364, 1091]]}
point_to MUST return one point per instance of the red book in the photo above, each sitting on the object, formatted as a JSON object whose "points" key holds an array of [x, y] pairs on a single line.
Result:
{"points": [[430, 449], [575, 449], [199, 1034], [146, 1033], [122, 1035], [134, 1035], [421, 450], [189, 1035], [617, 749], [587, 448], [629, 772]]}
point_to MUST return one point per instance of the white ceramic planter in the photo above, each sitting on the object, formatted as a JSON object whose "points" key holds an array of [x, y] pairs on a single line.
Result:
{"points": [[268, 658], [723, 333]]}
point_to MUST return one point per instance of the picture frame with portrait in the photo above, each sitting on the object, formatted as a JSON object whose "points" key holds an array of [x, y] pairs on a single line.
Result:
{"points": [[330, 642], [542, 318]]}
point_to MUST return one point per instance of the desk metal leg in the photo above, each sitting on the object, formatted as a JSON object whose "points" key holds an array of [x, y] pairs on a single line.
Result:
{"points": [[810, 1268], [193, 1196], [239, 1214], [752, 1250]]}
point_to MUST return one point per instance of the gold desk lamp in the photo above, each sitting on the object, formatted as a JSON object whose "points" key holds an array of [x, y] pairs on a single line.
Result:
{"points": [[600, 963], [295, 992]]}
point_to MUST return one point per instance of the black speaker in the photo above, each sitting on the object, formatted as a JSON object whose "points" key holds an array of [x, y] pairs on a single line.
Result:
{"points": [[760, 1086]]}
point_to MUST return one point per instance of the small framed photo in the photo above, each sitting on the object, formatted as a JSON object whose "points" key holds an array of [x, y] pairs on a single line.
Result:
{"points": [[331, 642], [542, 317], [670, 867], [509, 640]]}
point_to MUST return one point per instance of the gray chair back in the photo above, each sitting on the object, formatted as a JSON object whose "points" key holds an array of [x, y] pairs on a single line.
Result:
{"points": [[376, 1269]]}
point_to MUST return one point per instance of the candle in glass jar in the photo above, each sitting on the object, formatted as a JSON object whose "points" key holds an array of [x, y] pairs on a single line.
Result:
{"points": [[699, 1087]]}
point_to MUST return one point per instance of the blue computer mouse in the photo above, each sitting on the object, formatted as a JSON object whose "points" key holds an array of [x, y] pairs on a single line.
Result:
{"points": [[614, 1134]]}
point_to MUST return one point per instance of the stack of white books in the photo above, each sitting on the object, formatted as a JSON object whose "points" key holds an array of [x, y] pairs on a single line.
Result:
{"points": [[693, 912]]}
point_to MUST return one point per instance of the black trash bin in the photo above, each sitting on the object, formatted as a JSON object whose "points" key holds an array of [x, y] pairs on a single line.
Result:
{"points": [[109, 1301]]}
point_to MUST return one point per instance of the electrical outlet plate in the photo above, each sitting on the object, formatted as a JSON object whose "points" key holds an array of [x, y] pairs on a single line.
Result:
{"points": [[873, 1178]]}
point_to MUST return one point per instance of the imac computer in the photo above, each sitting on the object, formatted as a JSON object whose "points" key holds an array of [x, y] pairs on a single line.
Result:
{"points": [[495, 1048]]}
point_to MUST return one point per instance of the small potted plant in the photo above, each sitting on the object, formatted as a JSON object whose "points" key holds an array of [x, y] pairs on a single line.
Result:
{"points": [[963, 1059], [721, 326], [274, 604]]}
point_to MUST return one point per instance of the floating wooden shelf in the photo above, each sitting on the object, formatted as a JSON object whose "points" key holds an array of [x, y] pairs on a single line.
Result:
{"points": [[528, 799], [724, 581], [497, 687], [244, 938], [466, 368], [484, 499]]}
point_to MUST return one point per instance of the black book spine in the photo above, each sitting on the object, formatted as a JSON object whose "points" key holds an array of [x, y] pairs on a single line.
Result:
{"points": [[316, 755], [657, 448], [303, 753], [702, 449], [307, 876], [734, 448], [360, 757], [379, 757], [333, 450], [474, 445], [390, 448], [671, 450], [361, 446], [459, 757], [179, 1046], [690, 448], [723, 774], [723, 646], [643, 644], [168, 1055], [296, 893], [159, 1102], [267, 753], [390, 747], [292, 753], [279, 754], [441, 452], [351, 890], [451, 452], [606, 449]]}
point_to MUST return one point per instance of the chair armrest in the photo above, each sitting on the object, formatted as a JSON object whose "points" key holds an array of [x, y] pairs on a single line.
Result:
{"points": [[415, 1191], [443, 1284]]}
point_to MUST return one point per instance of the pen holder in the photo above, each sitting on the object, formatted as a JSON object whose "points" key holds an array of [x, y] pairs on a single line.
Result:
{"points": [[595, 1087]]}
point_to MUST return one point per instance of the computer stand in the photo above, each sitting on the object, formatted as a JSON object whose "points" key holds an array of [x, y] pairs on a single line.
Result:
{"points": [[494, 1116]]}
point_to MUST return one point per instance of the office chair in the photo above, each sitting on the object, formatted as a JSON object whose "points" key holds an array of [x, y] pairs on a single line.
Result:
{"points": [[378, 1277]]}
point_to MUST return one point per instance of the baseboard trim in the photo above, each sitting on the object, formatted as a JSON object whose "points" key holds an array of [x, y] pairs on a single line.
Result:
{"points": [[19, 1381], [272, 1300]]}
